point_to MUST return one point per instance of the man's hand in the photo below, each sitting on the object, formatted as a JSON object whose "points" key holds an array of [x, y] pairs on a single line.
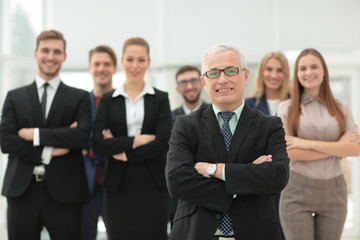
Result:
{"points": [[143, 139], [107, 134], [59, 152], [262, 159], [120, 156], [201, 168], [26, 133]]}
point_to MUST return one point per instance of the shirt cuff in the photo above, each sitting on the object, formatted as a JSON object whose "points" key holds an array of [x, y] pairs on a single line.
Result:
{"points": [[36, 137], [223, 174], [46, 155]]}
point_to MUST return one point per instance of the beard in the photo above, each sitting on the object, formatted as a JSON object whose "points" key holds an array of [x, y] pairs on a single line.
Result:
{"points": [[192, 101]]}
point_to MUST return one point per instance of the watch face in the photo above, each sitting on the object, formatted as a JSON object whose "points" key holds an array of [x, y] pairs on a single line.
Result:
{"points": [[211, 169]]}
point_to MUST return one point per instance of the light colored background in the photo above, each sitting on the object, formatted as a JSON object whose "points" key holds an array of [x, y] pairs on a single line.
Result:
{"points": [[179, 32]]}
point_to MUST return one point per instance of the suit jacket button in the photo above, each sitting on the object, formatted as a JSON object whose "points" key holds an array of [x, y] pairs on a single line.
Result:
{"points": [[218, 216]]}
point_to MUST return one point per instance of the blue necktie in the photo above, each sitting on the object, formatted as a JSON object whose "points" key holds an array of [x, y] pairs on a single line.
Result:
{"points": [[225, 225]]}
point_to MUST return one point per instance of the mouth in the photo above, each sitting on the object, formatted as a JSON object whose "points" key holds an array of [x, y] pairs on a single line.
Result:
{"points": [[224, 90]]}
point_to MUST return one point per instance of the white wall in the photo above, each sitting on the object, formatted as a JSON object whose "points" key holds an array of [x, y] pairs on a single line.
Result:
{"points": [[180, 31]]}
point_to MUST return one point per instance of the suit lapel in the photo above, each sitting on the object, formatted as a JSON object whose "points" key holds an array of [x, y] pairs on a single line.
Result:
{"points": [[149, 109], [213, 128], [241, 130], [59, 95]]}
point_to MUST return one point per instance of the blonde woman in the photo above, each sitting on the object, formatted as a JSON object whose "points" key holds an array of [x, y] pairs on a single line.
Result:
{"points": [[272, 83]]}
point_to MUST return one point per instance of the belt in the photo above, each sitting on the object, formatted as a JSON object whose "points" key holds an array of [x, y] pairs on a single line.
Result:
{"points": [[39, 177], [224, 238]]}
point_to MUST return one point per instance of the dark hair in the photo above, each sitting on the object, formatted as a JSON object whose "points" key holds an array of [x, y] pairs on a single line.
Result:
{"points": [[137, 41], [104, 49], [50, 34], [187, 68], [325, 96]]}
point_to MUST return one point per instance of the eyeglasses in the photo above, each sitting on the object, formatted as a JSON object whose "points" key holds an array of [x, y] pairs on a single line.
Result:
{"points": [[229, 71], [184, 83]]}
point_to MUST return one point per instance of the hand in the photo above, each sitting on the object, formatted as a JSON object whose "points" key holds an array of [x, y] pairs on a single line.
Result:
{"points": [[295, 142], [107, 134], [120, 156], [201, 168], [262, 159], [74, 124], [351, 136], [85, 152], [143, 139], [59, 152], [26, 133]]}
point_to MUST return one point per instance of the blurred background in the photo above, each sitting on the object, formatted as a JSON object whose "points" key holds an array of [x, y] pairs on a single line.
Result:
{"points": [[178, 33]]}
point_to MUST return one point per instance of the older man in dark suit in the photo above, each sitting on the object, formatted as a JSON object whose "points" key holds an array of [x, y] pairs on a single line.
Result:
{"points": [[226, 161], [43, 128]]}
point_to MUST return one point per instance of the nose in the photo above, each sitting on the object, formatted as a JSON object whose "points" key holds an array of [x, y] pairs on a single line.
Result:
{"points": [[222, 78]]}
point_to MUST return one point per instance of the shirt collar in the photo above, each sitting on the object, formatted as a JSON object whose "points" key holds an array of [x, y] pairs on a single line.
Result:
{"points": [[54, 83], [188, 110], [237, 111], [148, 89], [305, 98]]}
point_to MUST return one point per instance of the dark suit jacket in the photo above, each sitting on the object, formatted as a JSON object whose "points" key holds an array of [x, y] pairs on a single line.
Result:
{"points": [[262, 105], [157, 120], [65, 175], [180, 111], [197, 138]]}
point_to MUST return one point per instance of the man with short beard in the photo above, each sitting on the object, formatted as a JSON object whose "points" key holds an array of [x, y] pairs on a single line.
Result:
{"points": [[189, 86]]}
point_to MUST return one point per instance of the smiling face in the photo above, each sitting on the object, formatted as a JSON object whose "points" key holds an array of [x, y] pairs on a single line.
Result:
{"points": [[102, 69], [225, 92], [273, 75], [310, 73], [50, 55], [188, 87], [135, 62]]}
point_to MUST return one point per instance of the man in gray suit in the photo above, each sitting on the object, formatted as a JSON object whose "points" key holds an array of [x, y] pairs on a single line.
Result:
{"points": [[225, 162]]}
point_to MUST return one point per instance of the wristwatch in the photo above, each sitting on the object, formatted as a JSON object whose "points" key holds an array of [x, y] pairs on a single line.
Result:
{"points": [[211, 169]]}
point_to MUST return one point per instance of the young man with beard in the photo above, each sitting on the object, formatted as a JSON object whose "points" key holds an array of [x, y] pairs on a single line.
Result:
{"points": [[189, 86], [102, 66]]}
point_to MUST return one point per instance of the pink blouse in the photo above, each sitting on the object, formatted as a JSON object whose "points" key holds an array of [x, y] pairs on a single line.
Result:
{"points": [[316, 123]]}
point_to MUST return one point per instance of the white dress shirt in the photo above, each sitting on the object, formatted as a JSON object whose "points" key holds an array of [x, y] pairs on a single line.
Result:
{"points": [[51, 91]]}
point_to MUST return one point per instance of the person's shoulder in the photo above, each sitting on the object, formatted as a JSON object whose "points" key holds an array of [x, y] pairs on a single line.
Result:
{"points": [[74, 90], [283, 107], [160, 93], [21, 88], [250, 101]]}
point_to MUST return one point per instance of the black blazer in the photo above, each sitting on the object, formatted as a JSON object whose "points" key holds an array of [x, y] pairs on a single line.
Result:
{"points": [[197, 138], [262, 105], [157, 120], [65, 175], [180, 111]]}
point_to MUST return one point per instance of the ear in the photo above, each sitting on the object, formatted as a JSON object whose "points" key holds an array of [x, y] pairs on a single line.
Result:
{"points": [[177, 89], [203, 81], [35, 53], [246, 75]]}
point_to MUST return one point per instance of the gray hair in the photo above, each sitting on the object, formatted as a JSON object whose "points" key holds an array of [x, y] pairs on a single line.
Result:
{"points": [[222, 48]]}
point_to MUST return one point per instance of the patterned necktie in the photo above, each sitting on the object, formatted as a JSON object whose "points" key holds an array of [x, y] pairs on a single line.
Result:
{"points": [[225, 225], [43, 100]]}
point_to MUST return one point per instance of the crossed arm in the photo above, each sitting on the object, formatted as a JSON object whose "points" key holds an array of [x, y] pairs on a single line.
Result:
{"points": [[308, 150]]}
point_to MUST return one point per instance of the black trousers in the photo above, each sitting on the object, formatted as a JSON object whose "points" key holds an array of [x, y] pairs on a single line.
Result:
{"points": [[35, 209]]}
